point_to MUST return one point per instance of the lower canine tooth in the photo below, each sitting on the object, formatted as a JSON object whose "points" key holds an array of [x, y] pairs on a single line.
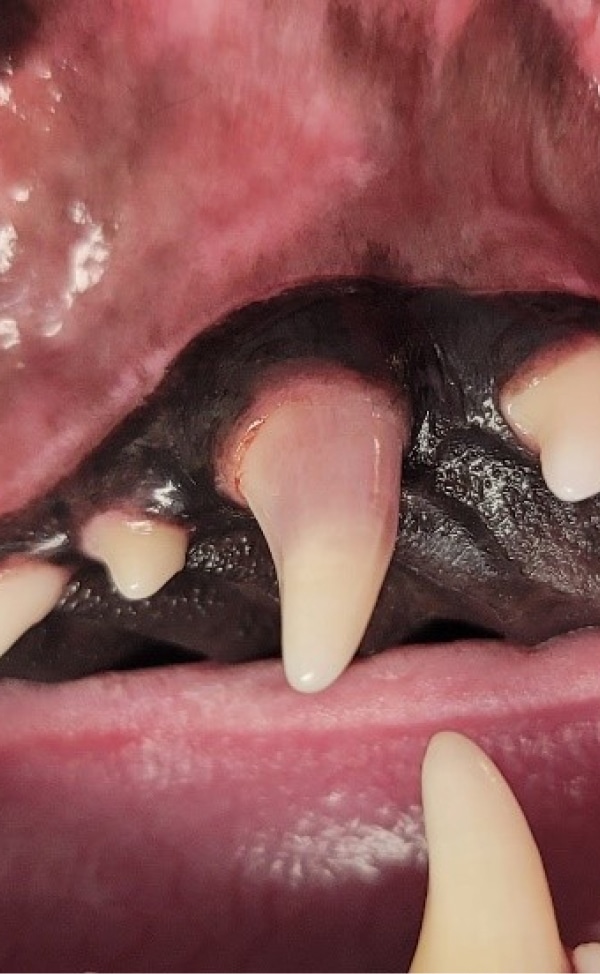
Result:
{"points": [[488, 903], [141, 555], [321, 474], [557, 413], [29, 590]]}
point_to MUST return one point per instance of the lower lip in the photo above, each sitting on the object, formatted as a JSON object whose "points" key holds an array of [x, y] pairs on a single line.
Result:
{"points": [[211, 818]]}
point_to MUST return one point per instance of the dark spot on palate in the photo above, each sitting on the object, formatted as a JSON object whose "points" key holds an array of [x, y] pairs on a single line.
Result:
{"points": [[19, 25]]}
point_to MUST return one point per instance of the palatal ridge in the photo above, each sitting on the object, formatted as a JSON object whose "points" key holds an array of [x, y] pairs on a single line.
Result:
{"points": [[328, 505]]}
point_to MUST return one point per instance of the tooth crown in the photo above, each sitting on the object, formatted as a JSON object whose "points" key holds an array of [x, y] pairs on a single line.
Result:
{"points": [[142, 554], [328, 506], [478, 916], [556, 412], [29, 590]]}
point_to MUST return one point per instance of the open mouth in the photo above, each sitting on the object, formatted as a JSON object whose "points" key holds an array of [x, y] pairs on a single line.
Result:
{"points": [[299, 334]]}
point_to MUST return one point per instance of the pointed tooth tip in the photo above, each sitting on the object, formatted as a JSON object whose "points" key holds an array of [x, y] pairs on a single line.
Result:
{"points": [[476, 917], [329, 512], [311, 663], [330, 581], [309, 681]]}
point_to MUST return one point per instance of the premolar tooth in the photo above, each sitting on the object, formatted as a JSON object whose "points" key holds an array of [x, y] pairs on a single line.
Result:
{"points": [[321, 473], [141, 554], [557, 413], [29, 590], [488, 903]]}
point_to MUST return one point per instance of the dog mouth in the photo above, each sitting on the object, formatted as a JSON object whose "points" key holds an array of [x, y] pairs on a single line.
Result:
{"points": [[299, 325]]}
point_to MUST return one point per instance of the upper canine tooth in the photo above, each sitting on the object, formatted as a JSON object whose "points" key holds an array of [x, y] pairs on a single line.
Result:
{"points": [[488, 904], [141, 554], [29, 590], [556, 412], [321, 474]]}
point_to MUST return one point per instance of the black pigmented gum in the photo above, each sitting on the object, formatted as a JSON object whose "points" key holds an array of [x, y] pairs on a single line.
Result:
{"points": [[483, 547]]}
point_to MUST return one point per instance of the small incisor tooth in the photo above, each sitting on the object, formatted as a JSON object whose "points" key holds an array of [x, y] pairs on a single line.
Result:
{"points": [[488, 904], [140, 554], [557, 414], [29, 590], [321, 474]]}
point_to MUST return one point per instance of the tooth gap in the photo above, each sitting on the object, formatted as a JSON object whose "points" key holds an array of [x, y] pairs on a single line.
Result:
{"points": [[450, 630], [152, 655], [21, 24]]}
